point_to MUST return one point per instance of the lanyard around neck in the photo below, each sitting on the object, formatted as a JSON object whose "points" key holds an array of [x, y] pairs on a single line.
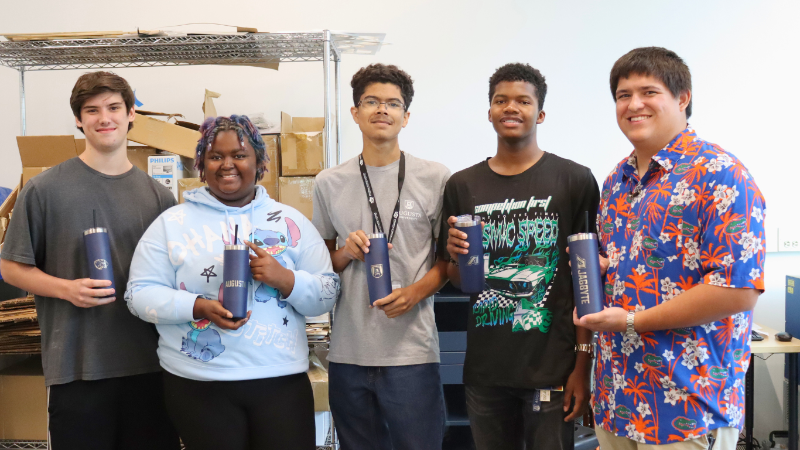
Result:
{"points": [[377, 225]]}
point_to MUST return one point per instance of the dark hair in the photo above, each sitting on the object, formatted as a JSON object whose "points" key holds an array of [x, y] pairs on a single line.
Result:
{"points": [[519, 72], [381, 73], [243, 128], [656, 62], [94, 83]]}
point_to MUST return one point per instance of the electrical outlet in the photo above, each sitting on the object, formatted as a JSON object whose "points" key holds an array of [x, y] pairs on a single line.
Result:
{"points": [[788, 240]]}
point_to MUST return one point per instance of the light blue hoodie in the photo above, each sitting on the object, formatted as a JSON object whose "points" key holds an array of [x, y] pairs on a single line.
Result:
{"points": [[180, 258]]}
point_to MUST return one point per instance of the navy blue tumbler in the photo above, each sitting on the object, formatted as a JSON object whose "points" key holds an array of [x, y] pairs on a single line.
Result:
{"points": [[470, 266], [379, 277], [586, 278], [98, 255], [236, 276]]}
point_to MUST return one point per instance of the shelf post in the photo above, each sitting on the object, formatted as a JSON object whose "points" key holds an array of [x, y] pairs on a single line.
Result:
{"points": [[326, 68], [338, 90], [22, 119]]}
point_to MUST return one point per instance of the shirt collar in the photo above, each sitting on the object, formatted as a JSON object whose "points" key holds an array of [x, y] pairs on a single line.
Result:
{"points": [[667, 156]]}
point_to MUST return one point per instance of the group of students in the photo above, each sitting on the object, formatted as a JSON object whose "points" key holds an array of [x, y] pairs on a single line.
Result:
{"points": [[680, 223]]}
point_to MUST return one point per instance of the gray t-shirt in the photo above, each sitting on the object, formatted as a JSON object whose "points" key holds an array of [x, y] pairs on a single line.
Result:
{"points": [[46, 231], [365, 336]]}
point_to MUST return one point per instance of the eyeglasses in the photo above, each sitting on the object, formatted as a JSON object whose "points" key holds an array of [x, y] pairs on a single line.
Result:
{"points": [[391, 105]]}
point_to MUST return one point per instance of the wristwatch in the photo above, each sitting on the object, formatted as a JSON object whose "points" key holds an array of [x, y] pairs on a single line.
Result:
{"points": [[585, 348], [629, 331]]}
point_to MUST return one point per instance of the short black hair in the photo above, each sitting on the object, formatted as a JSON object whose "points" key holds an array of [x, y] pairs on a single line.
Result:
{"points": [[382, 73], [656, 62], [519, 72]]}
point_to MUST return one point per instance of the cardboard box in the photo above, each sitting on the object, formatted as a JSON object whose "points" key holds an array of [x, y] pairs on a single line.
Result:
{"points": [[270, 180], [23, 402], [319, 384], [298, 192], [302, 151], [39, 153], [167, 170], [164, 135]]}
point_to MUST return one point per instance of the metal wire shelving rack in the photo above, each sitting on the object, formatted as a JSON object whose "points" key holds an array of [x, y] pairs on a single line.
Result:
{"points": [[251, 49]]}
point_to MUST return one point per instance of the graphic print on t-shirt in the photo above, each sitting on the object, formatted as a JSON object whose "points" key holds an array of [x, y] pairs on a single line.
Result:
{"points": [[520, 263]]}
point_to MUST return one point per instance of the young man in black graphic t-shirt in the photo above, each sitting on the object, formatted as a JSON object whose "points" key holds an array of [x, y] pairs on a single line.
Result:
{"points": [[525, 361]]}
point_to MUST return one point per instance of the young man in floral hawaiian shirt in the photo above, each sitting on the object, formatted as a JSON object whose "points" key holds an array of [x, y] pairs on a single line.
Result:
{"points": [[682, 225]]}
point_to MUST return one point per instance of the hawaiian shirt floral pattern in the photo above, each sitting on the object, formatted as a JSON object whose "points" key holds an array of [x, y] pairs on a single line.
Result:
{"points": [[696, 216]]}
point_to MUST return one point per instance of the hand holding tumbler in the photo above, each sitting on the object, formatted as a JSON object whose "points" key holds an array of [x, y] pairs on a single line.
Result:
{"points": [[379, 277], [470, 266]]}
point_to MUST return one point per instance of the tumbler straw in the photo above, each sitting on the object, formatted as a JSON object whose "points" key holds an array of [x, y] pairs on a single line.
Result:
{"points": [[94, 217]]}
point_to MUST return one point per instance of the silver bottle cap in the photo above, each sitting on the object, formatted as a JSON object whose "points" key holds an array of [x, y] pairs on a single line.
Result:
{"points": [[376, 236], [236, 247], [581, 237], [95, 230]]}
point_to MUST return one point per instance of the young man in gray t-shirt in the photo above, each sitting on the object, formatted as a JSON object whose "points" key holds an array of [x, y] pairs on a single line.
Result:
{"points": [[385, 390], [100, 362]]}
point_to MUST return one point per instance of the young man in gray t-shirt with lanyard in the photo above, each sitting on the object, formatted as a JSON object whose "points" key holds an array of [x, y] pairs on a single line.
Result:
{"points": [[100, 363], [385, 390]]}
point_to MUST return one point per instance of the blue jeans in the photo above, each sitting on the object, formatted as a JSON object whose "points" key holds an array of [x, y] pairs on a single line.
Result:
{"points": [[385, 408], [504, 419]]}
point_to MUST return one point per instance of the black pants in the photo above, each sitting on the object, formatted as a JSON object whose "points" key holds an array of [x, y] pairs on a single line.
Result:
{"points": [[264, 414], [504, 419], [111, 414]]}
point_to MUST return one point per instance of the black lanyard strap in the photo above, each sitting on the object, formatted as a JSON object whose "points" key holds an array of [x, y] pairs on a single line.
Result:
{"points": [[377, 225]]}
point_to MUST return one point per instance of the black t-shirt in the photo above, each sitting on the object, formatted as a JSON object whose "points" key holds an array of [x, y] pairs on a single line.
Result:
{"points": [[46, 231], [520, 331]]}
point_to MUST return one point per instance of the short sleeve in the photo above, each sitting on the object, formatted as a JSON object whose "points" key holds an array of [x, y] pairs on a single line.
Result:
{"points": [[24, 241], [437, 221], [449, 206], [321, 219], [732, 247]]}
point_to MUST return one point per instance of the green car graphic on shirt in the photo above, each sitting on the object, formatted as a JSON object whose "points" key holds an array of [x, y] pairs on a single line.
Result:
{"points": [[526, 278]]}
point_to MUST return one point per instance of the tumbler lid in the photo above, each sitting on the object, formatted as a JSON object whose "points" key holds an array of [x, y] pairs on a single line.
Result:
{"points": [[95, 230], [376, 236], [467, 221], [236, 247], [581, 237]]}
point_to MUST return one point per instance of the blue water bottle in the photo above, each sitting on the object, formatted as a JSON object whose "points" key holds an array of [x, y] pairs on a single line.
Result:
{"points": [[470, 266], [587, 281], [379, 277], [98, 255], [236, 276]]}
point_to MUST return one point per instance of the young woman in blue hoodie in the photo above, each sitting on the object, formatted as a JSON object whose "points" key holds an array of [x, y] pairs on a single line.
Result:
{"points": [[233, 384]]}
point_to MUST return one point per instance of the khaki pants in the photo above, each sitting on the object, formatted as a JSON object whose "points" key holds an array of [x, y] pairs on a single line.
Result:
{"points": [[725, 439]]}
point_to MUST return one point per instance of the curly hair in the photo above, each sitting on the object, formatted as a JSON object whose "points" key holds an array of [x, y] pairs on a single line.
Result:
{"points": [[95, 83], [519, 72], [656, 62], [381, 73], [243, 127]]}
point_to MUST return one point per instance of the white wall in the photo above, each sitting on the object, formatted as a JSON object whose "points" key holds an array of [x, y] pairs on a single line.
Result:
{"points": [[743, 56]]}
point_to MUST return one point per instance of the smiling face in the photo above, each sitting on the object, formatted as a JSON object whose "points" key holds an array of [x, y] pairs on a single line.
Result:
{"points": [[105, 120], [230, 169], [647, 112], [514, 111], [383, 123]]}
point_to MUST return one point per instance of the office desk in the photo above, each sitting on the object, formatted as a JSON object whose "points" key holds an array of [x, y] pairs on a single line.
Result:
{"points": [[772, 345]]}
